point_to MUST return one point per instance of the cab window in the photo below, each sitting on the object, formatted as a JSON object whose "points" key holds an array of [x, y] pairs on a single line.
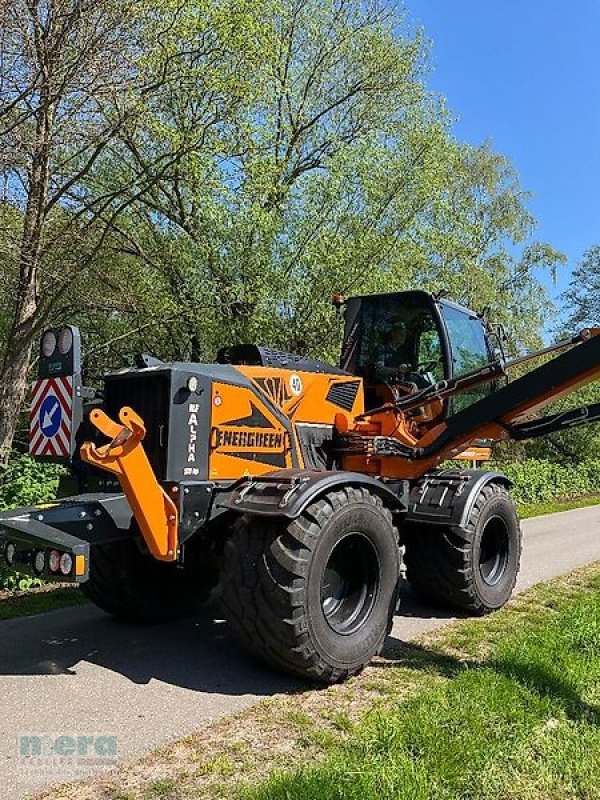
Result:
{"points": [[469, 351], [400, 341], [431, 357]]}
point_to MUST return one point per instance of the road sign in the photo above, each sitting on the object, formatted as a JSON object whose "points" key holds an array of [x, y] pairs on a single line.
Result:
{"points": [[51, 417]]}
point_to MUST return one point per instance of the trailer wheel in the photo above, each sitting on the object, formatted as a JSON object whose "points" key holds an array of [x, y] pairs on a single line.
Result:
{"points": [[314, 596], [135, 587], [474, 569]]}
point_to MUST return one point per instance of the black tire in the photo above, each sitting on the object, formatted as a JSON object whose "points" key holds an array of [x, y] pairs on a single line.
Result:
{"points": [[475, 569], [314, 596], [135, 587]]}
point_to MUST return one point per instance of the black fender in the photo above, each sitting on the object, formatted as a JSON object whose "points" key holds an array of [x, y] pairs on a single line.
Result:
{"points": [[446, 497], [287, 492]]}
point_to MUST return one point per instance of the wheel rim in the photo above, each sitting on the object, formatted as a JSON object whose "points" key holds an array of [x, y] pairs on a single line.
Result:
{"points": [[350, 583], [493, 551]]}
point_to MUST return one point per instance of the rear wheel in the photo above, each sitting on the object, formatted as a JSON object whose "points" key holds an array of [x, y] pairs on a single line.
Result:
{"points": [[135, 587], [314, 596], [474, 569]]}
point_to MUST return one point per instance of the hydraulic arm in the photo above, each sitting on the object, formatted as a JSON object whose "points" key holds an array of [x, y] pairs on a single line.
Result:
{"points": [[124, 456], [500, 415]]}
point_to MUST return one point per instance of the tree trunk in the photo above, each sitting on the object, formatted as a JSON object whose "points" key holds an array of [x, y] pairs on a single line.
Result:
{"points": [[17, 354], [13, 387], [18, 348]]}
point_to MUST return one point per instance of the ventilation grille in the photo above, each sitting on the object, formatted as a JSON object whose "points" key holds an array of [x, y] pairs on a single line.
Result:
{"points": [[343, 394], [149, 396], [253, 355]]}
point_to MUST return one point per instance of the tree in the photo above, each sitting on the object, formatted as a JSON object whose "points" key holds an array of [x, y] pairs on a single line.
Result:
{"points": [[581, 304], [341, 173], [329, 75], [581, 308], [581, 301], [78, 79], [475, 243]]}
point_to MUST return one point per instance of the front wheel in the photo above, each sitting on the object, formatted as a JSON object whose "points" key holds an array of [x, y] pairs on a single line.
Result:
{"points": [[475, 568], [134, 587], [315, 596]]}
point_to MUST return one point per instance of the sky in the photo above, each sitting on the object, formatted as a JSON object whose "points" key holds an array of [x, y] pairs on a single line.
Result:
{"points": [[526, 76]]}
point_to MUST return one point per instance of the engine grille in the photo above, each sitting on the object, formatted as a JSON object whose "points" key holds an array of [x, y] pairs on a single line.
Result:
{"points": [[343, 394], [149, 396]]}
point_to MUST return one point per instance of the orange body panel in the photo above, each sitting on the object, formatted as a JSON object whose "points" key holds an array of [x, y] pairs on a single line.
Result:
{"points": [[254, 429], [246, 437], [250, 434]]}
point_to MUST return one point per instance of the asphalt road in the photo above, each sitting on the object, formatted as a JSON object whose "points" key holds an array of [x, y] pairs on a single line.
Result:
{"points": [[78, 672]]}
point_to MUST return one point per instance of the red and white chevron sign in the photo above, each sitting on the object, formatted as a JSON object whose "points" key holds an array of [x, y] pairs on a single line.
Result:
{"points": [[51, 417]]}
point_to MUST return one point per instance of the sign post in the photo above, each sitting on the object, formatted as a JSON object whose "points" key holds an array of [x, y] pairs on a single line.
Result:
{"points": [[56, 402]]}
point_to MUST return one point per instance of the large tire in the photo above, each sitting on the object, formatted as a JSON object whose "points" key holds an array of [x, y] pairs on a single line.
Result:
{"points": [[474, 569], [314, 596], [135, 587]]}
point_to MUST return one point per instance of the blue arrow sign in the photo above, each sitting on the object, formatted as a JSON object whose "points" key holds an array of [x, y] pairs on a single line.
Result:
{"points": [[50, 416]]}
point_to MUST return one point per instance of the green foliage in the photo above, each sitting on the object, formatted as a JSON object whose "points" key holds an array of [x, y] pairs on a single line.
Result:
{"points": [[528, 510], [25, 482], [581, 309], [53, 598], [582, 298], [576, 444], [12, 581], [538, 480]]}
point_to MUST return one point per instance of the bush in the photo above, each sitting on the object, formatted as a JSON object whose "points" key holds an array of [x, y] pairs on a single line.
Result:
{"points": [[540, 480], [25, 482]]}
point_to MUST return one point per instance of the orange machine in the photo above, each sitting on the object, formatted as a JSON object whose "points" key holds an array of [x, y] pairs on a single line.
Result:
{"points": [[296, 487]]}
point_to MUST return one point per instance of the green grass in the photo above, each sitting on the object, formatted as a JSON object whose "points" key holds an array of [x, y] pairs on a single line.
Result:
{"points": [[514, 713], [527, 510], [39, 601], [162, 789], [502, 707]]}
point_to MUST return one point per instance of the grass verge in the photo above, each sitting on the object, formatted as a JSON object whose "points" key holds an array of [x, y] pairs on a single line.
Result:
{"points": [[521, 721], [38, 601], [502, 707], [527, 510]]}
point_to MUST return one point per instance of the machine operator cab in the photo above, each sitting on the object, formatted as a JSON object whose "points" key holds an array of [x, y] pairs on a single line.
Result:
{"points": [[406, 341]]}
